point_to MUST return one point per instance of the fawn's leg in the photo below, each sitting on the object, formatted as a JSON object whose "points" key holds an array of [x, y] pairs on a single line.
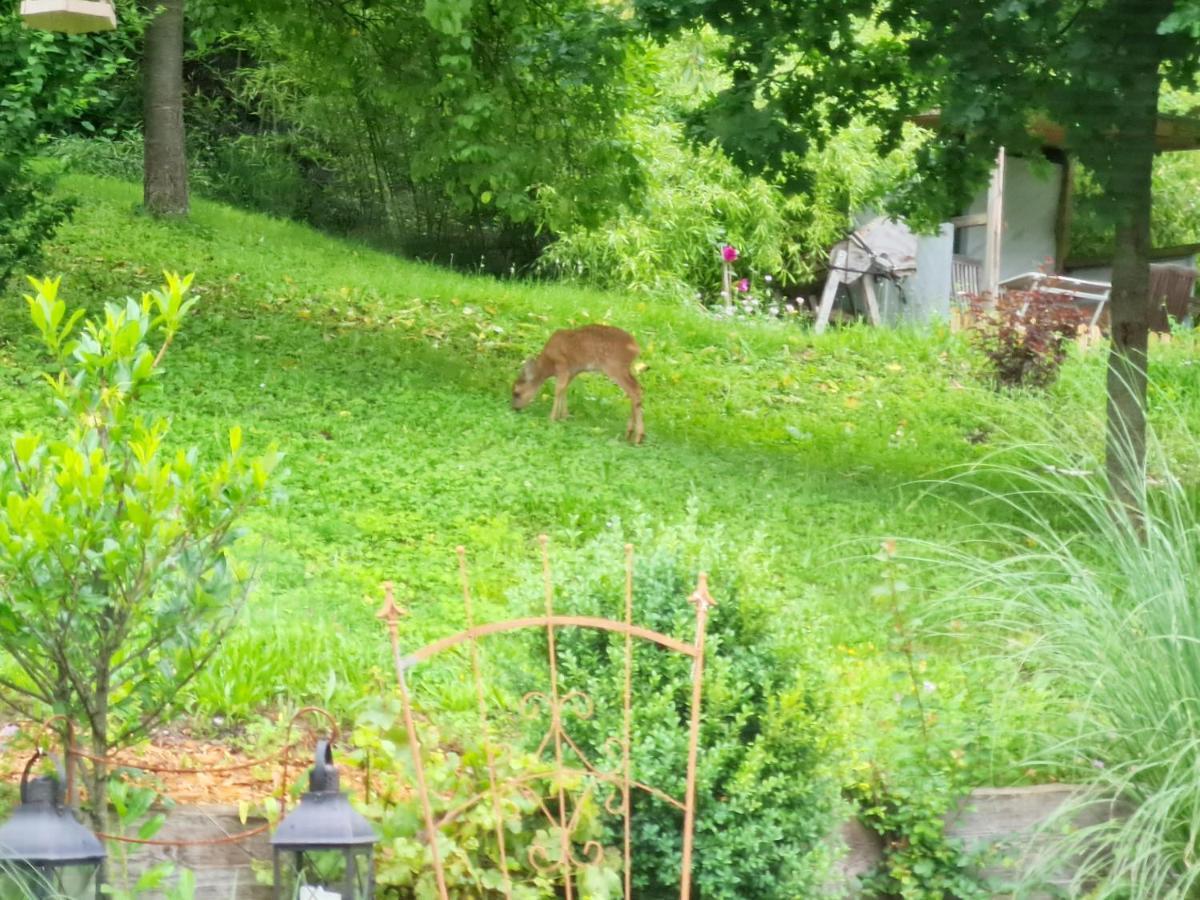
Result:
{"points": [[635, 430], [562, 381]]}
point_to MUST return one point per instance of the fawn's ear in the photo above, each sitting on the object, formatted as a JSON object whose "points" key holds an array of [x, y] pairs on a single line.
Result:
{"points": [[527, 370]]}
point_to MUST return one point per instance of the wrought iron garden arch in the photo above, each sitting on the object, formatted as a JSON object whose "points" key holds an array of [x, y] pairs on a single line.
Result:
{"points": [[557, 738]]}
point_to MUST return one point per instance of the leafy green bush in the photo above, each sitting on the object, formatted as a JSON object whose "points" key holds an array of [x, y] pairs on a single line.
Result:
{"points": [[1175, 215], [906, 798], [117, 579], [766, 793], [112, 157], [45, 81], [456, 765], [696, 199]]}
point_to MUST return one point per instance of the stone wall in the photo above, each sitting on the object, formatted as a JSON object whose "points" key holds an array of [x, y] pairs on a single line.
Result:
{"points": [[222, 870], [1003, 817], [1006, 819]]}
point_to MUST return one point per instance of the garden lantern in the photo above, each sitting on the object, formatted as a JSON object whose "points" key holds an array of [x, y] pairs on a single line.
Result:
{"points": [[324, 850], [69, 16], [44, 851]]}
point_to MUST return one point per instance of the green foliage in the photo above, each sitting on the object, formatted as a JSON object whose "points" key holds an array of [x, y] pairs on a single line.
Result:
{"points": [[906, 799], [766, 792], [116, 579], [385, 383], [797, 69], [456, 761], [696, 200], [140, 814], [484, 104], [46, 81], [113, 157], [1175, 218]]}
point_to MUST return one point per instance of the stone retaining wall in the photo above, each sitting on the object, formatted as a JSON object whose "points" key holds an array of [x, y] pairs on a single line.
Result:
{"points": [[222, 870], [991, 816], [1006, 819]]}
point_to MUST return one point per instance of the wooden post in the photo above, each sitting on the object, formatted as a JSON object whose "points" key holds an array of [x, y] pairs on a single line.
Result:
{"points": [[995, 225], [702, 600], [1063, 213], [868, 286], [836, 277]]}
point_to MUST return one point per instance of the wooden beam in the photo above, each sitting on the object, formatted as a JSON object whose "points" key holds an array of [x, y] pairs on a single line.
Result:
{"points": [[995, 225]]}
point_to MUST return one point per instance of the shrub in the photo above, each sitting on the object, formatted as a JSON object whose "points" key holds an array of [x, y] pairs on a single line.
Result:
{"points": [[117, 580], [696, 200], [45, 82], [1025, 336], [766, 794], [906, 798]]}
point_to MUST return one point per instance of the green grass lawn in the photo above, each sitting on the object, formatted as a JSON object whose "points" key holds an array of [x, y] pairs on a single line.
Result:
{"points": [[386, 384]]}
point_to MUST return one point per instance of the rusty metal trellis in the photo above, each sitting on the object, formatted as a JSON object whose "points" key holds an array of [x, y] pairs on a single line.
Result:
{"points": [[555, 702]]}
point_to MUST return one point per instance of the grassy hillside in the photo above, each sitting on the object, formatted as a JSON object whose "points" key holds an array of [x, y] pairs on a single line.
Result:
{"points": [[386, 384]]}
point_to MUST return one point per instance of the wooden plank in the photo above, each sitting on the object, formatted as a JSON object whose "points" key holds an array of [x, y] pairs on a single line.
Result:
{"points": [[868, 286], [836, 276], [995, 225]]}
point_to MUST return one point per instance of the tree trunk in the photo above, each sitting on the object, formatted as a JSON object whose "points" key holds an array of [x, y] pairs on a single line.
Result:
{"points": [[98, 784], [165, 172], [1132, 163]]}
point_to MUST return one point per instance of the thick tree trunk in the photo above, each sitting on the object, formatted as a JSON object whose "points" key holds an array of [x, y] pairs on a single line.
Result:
{"points": [[1132, 159], [165, 181]]}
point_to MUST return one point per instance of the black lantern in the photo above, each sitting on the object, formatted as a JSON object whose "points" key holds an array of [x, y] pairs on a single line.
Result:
{"points": [[324, 850], [44, 851]]}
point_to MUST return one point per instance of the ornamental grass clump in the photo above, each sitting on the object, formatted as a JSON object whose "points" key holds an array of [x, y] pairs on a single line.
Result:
{"points": [[1098, 602]]}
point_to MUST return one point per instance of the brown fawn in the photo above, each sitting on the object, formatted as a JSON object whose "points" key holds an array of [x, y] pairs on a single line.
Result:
{"points": [[592, 348]]}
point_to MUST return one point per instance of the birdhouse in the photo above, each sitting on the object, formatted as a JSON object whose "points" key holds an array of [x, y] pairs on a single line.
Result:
{"points": [[69, 16]]}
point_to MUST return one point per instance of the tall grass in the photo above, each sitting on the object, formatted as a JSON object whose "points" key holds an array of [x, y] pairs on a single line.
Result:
{"points": [[1102, 609]]}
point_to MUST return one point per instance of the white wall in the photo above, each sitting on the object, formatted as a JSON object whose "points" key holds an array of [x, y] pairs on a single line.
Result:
{"points": [[928, 291], [1030, 207]]}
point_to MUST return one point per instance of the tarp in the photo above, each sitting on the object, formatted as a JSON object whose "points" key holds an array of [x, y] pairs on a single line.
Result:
{"points": [[882, 247]]}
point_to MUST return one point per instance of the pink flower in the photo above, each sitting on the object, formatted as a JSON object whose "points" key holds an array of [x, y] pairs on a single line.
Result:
{"points": [[728, 253], [744, 285]]}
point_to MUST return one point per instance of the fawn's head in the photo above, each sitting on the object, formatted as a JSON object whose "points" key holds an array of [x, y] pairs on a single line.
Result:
{"points": [[526, 387]]}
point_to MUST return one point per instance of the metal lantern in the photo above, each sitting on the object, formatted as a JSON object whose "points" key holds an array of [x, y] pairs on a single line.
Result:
{"points": [[324, 850], [69, 16], [44, 851]]}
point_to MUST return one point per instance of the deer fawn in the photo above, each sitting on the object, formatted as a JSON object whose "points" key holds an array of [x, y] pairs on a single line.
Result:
{"points": [[592, 348]]}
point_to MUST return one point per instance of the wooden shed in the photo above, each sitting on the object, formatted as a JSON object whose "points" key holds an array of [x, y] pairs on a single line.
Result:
{"points": [[1015, 229]]}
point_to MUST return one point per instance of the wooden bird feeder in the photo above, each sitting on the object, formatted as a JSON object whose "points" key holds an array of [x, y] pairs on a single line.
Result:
{"points": [[69, 16]]}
